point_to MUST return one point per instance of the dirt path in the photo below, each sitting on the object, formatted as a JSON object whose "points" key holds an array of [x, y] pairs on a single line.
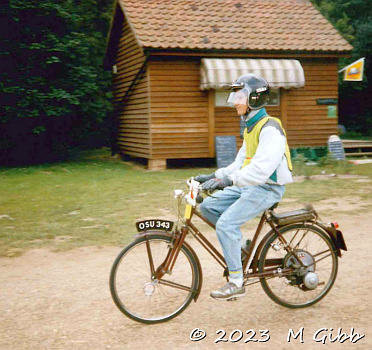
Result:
{"points": [[61, 301]]}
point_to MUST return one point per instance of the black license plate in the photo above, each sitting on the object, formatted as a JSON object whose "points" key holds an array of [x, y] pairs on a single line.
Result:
{"points": [[154, 224]]}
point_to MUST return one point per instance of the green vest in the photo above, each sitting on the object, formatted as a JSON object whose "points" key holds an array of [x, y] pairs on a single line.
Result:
{"points": [[251, 140]]}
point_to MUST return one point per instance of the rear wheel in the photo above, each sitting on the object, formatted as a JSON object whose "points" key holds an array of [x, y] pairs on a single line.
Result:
{"points": [[303, 285], [145, 299]]}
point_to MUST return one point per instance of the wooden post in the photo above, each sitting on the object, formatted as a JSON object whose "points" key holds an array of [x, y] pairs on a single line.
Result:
{"points": [[283, 107], [157, 164], [211, 98]]}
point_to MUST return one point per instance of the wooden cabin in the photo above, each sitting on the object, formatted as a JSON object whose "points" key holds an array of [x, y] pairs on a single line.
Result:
{"points": [[172, 59]]}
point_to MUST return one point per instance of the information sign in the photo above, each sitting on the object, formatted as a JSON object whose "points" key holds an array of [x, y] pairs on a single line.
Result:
{"points": [[225, 150]]}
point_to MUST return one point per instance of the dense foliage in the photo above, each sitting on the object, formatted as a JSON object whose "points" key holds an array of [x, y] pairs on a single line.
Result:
{"points": [[353, 19], [54, 91]]}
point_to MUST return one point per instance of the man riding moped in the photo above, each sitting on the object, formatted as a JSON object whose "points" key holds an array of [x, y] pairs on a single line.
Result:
{"points": [[253, 183]]}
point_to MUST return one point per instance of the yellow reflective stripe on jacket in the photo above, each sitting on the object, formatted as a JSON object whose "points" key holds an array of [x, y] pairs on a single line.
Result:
{"points": [[251, 140]]}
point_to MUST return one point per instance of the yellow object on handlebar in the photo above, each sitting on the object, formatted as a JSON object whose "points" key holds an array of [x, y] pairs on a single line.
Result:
{"points": [[188, 211]]}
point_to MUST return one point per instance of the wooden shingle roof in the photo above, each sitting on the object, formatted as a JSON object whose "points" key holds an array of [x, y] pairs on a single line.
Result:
{"points": [[263, 25]]}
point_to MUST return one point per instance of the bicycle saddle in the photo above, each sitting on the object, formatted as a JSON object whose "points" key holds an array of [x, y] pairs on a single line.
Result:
{"points": [[301, 215]]}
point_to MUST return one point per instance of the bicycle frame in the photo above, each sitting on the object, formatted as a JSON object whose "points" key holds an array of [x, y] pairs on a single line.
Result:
{"points": [[250, 259]]}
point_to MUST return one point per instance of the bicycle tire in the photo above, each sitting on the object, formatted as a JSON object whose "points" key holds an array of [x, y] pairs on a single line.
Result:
{"points": [[130, 296], [293, 284]]}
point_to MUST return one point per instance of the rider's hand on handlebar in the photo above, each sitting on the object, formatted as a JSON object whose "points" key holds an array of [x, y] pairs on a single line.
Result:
{"points": [[217, 184], [204, 178]]}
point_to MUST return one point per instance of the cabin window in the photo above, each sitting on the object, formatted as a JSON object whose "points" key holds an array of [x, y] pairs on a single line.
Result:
{"points": [[274, 98], [221, 98]]}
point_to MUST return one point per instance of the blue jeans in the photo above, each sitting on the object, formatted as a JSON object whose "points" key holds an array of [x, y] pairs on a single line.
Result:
{"points": [[231, 208]]}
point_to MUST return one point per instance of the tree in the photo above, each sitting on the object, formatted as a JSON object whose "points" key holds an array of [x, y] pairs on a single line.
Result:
{"points": [[53, 89], [353, 19]]}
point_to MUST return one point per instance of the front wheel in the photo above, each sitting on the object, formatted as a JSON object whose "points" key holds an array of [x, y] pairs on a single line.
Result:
{"points": [[303, 285], [142, 297]]}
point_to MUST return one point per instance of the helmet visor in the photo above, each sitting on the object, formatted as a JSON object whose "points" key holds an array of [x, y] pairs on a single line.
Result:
{"points": [[239, 97]]}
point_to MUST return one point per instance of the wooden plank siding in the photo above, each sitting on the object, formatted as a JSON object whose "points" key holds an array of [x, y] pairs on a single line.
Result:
{"points": [[307, 122], [169, 117], [134, 136], [227, 122], [179, 109]]}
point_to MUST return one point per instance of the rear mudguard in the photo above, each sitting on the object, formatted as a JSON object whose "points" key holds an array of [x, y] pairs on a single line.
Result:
{"points": [[158, 232], [336, 236]]}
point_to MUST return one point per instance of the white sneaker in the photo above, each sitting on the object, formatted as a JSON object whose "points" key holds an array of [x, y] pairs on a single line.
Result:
{"points": [[228, 292]]}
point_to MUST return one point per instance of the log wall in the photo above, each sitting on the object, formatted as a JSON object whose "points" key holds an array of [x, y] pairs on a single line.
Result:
{"points": [[227, 122], [308, 123], [134, 136], [179, 109]]}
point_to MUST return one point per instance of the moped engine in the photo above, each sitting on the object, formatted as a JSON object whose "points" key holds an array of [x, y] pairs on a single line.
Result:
{"points": [[304, 276], [311, 280]]}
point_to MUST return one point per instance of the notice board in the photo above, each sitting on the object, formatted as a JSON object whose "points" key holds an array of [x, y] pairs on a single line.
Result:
{"points": [[335, 147], [225, 150]]}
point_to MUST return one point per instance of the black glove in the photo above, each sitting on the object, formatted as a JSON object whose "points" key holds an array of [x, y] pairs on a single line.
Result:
{"points": [[204, 178], [217, 184]]}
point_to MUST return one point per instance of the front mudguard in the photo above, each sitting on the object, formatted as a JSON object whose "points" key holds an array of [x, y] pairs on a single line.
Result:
{"points": [[149, 233]]}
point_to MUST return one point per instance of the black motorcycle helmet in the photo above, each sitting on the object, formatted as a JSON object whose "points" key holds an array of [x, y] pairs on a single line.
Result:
{"points": [[255, 88]]}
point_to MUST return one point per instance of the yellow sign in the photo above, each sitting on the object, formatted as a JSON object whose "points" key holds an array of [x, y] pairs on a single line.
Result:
{"points": [[188, 211], [354, 71]]}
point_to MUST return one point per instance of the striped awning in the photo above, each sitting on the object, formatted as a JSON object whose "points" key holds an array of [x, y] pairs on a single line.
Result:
{"points": [[217, 73]]}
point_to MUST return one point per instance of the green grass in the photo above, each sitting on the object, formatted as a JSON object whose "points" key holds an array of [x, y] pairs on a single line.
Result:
{"points": [[96, 200]]}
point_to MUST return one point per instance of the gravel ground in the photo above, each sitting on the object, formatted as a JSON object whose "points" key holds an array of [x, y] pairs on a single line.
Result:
{"points": [[61, 301]]}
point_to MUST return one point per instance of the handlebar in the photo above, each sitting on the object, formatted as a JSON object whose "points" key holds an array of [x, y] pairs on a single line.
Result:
{"points": [[194, 195], [195, 190]]}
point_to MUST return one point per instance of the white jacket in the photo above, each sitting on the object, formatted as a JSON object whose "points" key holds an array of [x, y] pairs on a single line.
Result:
{"points": [[269, 157]]}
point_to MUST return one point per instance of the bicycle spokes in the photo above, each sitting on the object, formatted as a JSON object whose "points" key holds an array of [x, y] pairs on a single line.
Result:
{"points": [[312, 264], [145, 298]]}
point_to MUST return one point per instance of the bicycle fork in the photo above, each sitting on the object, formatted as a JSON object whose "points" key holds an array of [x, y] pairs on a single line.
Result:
{"points": [[167, 265]]}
